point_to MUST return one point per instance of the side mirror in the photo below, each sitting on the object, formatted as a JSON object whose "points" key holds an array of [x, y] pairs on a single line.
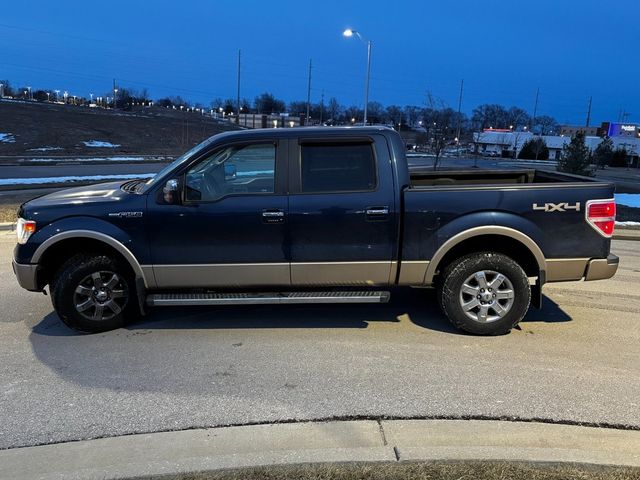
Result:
{"points": [[230, 172], [170, 192]]}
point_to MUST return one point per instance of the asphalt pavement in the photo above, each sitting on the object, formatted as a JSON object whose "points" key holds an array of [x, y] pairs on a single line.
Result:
{"points": [[576, 361]]}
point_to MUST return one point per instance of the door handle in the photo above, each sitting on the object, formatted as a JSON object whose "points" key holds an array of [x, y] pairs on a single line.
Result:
{"points": [[377, 214], [378, 211], [272, 216]]}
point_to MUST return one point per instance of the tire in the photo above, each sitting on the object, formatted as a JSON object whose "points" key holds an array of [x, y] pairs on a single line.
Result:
{"points": [[484, 293], [94, 293]]}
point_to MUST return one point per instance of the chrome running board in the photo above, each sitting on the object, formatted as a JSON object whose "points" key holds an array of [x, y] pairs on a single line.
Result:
{"points": [[184, 299]]}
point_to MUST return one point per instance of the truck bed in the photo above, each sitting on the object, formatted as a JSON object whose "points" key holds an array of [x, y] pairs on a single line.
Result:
{"points": [[430, 178]]}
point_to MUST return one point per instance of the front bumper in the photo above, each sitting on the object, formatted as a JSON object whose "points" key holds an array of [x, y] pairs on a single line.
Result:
{"points": [[27, 275], [601, 268]]}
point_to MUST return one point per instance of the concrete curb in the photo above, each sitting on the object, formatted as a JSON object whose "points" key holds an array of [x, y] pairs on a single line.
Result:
{"points": [[321, 442], [626, 234]]}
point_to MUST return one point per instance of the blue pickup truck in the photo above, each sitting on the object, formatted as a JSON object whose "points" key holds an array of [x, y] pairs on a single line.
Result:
{"points": [[313, 215]]}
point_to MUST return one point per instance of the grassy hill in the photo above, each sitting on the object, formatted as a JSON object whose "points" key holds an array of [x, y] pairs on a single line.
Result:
{"points": [[38, 129]]}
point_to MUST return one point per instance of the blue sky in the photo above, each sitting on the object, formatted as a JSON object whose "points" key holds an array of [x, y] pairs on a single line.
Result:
{"points": [[504, 51]]}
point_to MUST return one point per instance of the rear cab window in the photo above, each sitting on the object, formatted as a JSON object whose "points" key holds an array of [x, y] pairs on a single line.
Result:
{"points": [[340, 167]]}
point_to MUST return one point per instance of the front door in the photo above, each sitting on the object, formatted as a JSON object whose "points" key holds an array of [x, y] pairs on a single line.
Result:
{"points": [[229, 228], [342, 214]]}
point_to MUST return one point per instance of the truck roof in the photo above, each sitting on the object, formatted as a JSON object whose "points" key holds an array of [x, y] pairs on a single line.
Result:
{"points": [[303, 131]]}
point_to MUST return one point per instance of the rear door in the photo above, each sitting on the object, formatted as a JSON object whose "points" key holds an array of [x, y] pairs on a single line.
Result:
{"points": [[342, 212]]}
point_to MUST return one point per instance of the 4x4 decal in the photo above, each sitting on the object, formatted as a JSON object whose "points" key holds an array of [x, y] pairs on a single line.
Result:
{"points": [[557, 207]]}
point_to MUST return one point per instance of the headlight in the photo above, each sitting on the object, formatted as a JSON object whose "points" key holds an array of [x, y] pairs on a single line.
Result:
{"points": [[24, 229]]}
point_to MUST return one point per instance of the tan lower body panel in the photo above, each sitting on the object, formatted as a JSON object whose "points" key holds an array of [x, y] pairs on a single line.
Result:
{"points": [[602, 268], [565, 269], [340, 273], [227, 275], [412, 272]]}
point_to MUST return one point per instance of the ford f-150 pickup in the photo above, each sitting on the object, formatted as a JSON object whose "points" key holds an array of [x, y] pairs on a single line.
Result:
{"points": [[313, 215]]}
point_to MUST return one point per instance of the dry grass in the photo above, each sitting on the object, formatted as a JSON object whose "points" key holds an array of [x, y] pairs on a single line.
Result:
{"points": [[423, 471], [8, 213]]}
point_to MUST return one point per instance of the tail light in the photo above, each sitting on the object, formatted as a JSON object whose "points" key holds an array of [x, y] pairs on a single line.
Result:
{"points": [[601, 215]]}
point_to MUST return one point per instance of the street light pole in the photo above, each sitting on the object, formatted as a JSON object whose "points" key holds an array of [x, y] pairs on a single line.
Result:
{"points": [[366, 87], [349, 33]]}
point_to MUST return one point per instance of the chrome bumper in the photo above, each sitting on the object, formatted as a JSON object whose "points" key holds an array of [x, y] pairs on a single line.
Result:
{"points": [[27, 275], [602, 268]]}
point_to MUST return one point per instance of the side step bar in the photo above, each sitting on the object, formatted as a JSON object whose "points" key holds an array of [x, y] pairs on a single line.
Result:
{"points": [[184, 299]]}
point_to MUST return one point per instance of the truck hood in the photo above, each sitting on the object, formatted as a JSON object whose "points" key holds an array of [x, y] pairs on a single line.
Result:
{"points": [[102, 192]]}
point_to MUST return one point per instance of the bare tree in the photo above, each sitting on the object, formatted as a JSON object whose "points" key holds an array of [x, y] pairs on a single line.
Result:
{"points": [[411, 113], [375, 112], [394, 116], [545, 125], [334, 109]]}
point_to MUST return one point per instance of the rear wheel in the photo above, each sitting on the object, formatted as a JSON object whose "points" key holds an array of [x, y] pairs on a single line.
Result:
{"points": [[93, 293], [484, 293]]}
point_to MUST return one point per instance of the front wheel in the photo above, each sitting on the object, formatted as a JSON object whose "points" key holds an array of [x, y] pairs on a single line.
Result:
{"points": [[484, 293], [93, 293]]}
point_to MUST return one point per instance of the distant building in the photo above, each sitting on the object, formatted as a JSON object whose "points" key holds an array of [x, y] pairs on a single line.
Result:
{"points": [[606, 129], [274, 120], [503, 143], [614, 129], [571, 130]]}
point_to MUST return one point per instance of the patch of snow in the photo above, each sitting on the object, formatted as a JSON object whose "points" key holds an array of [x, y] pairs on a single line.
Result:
{"points": [[7, 138], [255, 173], [45, 149], [72, 178], [100, 144], [628, 199], [91, 159]]}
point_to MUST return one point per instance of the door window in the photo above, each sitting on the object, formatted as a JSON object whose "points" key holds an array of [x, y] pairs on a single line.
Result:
{"points": [[338, 168], [236, 169]]}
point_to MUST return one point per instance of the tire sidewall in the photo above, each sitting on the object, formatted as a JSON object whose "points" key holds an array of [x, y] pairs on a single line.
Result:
{"points": [[457, 273], [69, 277]]}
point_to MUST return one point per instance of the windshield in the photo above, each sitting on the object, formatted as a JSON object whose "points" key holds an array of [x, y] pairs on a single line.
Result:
{"points": [[162, 173]]}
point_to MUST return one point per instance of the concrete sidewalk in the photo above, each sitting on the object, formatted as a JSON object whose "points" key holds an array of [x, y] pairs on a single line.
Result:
{"points": [[321, 442]]}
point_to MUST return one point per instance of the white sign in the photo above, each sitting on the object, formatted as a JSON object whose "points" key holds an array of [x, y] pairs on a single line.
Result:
{"points": [[628, 128]]}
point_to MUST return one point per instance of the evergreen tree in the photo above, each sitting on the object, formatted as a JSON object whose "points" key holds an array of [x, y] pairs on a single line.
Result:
{"points": [[534, 149], [619, 158], [603, 154], [576, 157]]}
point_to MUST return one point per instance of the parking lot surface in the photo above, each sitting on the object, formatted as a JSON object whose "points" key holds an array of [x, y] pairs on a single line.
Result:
{"points": [[575, 361]]}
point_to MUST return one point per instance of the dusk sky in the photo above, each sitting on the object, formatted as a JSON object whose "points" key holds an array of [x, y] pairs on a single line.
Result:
{"points": [[504, 51]]}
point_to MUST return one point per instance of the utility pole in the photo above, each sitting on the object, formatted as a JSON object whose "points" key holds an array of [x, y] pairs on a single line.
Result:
{"points": [[459, 112], [238, 117], [115, 91], [625, 115], [321, 107], [535, 110], [589, 112], [308, 95]]}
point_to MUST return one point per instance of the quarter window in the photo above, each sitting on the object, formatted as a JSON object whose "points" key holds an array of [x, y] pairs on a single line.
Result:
{"points": [[338, 168], [236, 169]]}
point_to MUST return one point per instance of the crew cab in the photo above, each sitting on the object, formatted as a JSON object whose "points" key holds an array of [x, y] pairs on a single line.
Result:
{"points": [[313, 215]]}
